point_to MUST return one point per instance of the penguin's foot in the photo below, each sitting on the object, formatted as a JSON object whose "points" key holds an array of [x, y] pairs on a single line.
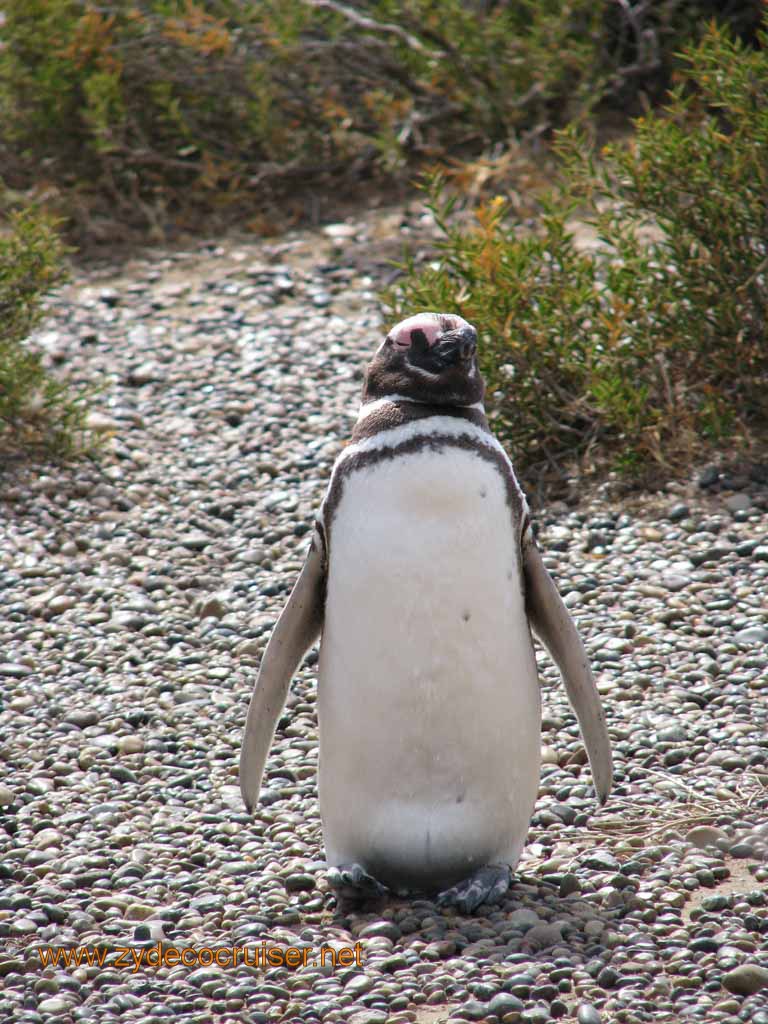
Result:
{"points": [[487, 885], [354, 886]]}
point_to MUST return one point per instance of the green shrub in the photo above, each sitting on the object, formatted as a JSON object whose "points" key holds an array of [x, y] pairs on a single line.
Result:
{"points": [[656, 340], [146, 113], [36, 410]]}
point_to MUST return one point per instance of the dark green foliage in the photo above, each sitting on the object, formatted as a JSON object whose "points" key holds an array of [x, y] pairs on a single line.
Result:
{"points": [[656, 340], [36, 411], [148, 113]]}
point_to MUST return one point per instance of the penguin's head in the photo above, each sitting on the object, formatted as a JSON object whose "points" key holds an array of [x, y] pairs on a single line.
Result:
{"points": [[429, 357]]}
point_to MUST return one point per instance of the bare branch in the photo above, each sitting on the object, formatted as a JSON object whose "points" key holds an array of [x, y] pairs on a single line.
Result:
{"points": [[375, 26]]}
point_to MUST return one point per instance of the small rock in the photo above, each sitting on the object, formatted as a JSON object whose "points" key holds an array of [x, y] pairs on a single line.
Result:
{"points": [[396, 962], [339, 231], [607, 977], [213, 606], [705, 835], [746, 547], [369, 1017], [715, 903], [9, 965], [474, 1010], [130, 745], [151, 931], [250, 648], [587, 1014], [674, 582], [675, 514], [55, 1005], [504, 1003], [753, 635], [299, 883], [359, 985], [146, 373], [59, 604], [569, 884], [746, 979], [523, 919], [23, 926], [194, 541], [708, 477], [12, 670], [542, 936], [380, 929], [82, 718], [139, 912], [99, 421], [672, 734], [742, 850], [738, 503], [601, 860]]}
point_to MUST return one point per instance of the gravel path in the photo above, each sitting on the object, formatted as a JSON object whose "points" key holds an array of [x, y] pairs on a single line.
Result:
{"points": [[138, 594]]}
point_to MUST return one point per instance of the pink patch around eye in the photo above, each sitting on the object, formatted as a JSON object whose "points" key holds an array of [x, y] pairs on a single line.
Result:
{"points": [[426, 322]]}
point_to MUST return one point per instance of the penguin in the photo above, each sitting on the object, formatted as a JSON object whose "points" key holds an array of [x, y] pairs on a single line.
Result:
{"points": [[424, 581]]}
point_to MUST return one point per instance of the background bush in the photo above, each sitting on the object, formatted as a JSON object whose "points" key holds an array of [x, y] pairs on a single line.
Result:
{"points": [[36, 411], [657, 339], [131, 118], [145, 115]]}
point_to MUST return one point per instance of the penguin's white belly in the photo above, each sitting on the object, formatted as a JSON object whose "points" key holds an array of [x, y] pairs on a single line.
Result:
{"points": [[428, 693]]}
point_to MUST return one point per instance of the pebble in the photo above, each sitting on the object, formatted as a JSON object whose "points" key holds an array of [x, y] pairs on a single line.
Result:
{"points": [[602, 860], [369, 1017], [215, 606], [359, 985], [586, 1012], [746, 979], [146, 373], [674, 582], [59, 604], [11, 670], [753, 635], [504, 1003], [523, 919], [738, 502], [703, 836], [82, 718], [139, 593], [678, 512], [130, 745], [54, 1006]]}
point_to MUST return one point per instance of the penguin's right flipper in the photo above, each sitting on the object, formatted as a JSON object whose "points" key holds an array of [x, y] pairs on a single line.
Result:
{"points": [[297, 628], [555, 627]]}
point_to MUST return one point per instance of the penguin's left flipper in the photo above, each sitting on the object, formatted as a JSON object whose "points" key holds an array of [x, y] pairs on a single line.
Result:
{"points": [[555, 628], [488, 885], [296, 630]]}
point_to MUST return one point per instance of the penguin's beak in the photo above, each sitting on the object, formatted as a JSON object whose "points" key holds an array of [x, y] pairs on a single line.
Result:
{"points": [[458, 346]]}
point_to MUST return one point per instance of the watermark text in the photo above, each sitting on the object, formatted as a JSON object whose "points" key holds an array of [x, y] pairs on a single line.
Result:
{"points": [[133, 958]]}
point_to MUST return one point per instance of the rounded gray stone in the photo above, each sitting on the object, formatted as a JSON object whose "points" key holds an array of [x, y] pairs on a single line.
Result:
{"points": [[746, 979]]}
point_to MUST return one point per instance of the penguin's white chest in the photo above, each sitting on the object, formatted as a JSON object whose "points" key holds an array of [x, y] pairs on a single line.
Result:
{"points": [[428, 692]]}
